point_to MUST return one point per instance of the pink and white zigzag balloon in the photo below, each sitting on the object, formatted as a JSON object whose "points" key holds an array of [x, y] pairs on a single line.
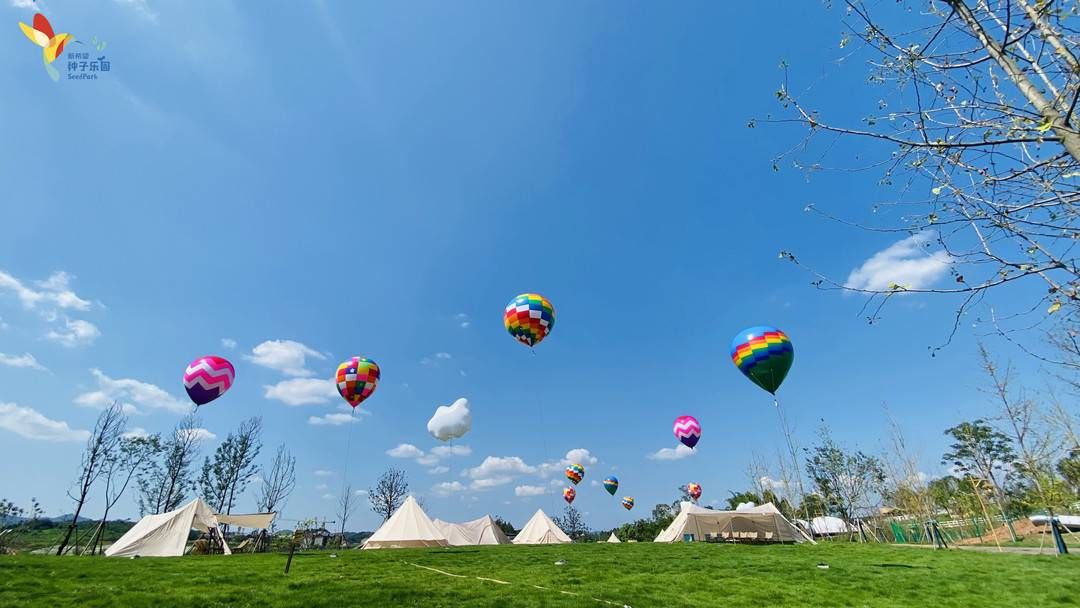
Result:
{"points": [[207, 378], [687, 430]]}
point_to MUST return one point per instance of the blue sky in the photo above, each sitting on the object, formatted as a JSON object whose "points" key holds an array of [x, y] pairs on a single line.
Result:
{"points": [[324, 180]]}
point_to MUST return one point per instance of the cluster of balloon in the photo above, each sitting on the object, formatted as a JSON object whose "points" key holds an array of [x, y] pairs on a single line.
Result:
{"points": [[569, 494], [694, 490], [575, 473], [628, 502], [529, 318], [763, 354], [207, 378], [687, 430], [356, 379], [611, 484]]}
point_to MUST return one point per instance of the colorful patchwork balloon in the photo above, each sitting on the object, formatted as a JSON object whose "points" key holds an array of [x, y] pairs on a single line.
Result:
{"points": [[575, 473], [207, 378], [694, 490], [569, 494], [764, 354], [529, 317], [628, 502], [687, 430], [611, 484], [357, 379]]}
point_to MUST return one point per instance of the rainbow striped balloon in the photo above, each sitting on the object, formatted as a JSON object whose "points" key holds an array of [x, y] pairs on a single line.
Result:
{"points": [[575, 473], [529, 317], [207, 378], [611, 484], [357, 379], [569, 494], [764, 354], [628, 502]]}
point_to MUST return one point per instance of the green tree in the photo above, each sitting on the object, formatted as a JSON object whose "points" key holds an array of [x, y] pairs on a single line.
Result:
{"points": [[1069, 468], [846, 480], [233, 467], [736, 499], [981, 451]]}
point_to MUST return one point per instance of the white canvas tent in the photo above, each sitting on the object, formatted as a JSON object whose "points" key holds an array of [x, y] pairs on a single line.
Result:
{"points": [[166, 534], [540, 530], [409, 526], [826, 526], [764, 523], [613, 538], [483, 531]]}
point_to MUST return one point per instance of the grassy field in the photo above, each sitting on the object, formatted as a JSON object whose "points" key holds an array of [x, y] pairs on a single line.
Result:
{"points": [[593, 575]]}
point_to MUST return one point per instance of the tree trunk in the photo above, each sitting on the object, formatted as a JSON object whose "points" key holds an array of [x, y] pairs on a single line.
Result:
{"points": [[1069, 138], [71, 527]]}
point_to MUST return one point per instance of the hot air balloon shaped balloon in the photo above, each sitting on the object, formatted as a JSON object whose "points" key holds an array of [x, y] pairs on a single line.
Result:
{"points": [[529, 318], [575, 473], [611, 484], [357, 379], [694, 490], [687, 430], [569, 494], [207, 378], [764, 354], [628, 502]]}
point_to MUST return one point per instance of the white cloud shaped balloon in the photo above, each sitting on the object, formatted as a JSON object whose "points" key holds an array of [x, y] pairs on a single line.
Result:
{"points": [[451, 421]]}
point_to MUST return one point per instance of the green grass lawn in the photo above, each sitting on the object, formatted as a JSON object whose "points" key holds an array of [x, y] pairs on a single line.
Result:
{"points": [[641, 574]]}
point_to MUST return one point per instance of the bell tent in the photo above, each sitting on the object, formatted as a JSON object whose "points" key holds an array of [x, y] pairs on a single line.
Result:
{"points": [[540, 530], [166, 534], [409, 526], [483, 531], [613, 538], [762, 523]]}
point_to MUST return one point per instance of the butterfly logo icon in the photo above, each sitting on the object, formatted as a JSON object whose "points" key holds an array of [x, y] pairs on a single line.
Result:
{"points": [[41, 34]]}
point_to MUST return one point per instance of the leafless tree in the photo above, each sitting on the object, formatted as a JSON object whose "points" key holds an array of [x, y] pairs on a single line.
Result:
{"points": [[103, 442], [233, 467], [908, 489], [277, 481], [133, 456], [346, 506], [166, 483], [389, 492], [980, 150]]}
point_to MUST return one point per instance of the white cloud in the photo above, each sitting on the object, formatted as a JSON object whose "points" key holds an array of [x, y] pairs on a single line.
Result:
{"points": [[905, 263], [360, 493], [24, 4], [427, 460], [594, 483], [463, 320], [323, 473], [443, 356], [55, 291], [26, 360], [301, 391], [75, 333], [228, 343], [328, 497], [442, 451], [500, 465], [405, 450], [31, 424], [776, 485], [332, 420], [321, 486], [131, 393], [136, 433], [580, 456], [286, 356], [200, 434], [439, 470], [450, 421], [448, 487], [671, 454], [529, 490], [487, 483]]}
